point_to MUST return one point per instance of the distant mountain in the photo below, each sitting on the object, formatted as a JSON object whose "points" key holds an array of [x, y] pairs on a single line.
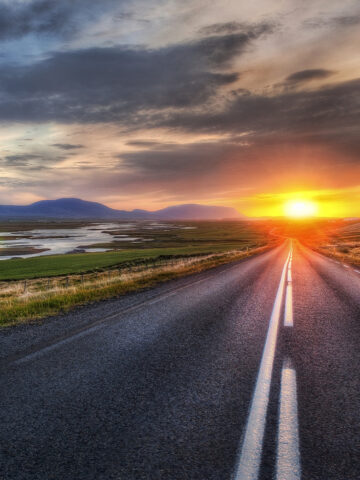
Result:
{"points": [[61, 208], [75, 208]]}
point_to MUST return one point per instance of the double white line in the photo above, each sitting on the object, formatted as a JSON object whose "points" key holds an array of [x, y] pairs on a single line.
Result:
{"points": [[288, 458]]}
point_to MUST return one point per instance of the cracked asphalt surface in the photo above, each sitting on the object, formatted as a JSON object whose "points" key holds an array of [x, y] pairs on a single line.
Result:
{"points": [[158, 384]]}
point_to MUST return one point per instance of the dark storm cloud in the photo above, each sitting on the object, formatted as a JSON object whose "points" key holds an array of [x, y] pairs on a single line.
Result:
{"points": [[235, 27], [106, 84], [307, 75], [48, 16], [173, 87], [331, 108], [67, 146]]}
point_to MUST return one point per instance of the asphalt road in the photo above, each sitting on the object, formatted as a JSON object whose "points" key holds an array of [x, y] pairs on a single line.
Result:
{"points": [[197, 379]]}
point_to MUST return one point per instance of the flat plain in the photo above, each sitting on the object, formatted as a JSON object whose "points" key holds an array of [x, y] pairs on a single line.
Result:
{"points": [[139, 256], [146, 241]]}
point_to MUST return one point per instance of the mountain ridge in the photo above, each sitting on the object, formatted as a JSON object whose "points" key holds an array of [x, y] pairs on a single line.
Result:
{"points": [[76, 208]]}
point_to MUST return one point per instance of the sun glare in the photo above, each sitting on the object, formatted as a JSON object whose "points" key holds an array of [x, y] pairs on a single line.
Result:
{"points": [[300, 208]]}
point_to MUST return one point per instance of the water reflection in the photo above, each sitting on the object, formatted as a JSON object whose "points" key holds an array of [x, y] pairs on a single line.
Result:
{"points": [[42, 241], [61, 240]]}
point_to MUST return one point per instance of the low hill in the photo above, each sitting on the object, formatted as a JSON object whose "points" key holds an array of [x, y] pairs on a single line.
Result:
{"points": [[75, 208]]}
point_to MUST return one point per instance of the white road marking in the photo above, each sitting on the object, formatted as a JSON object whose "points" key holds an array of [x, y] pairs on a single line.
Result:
{"points": [[288, 454], [248, 464], [288, 315], [289, 277]]}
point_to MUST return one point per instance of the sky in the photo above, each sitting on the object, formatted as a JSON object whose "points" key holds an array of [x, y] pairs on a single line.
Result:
{"points": [[150, 103]]}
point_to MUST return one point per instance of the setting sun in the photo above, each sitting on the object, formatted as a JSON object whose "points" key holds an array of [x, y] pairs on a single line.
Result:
{"points": [[300, 208]]}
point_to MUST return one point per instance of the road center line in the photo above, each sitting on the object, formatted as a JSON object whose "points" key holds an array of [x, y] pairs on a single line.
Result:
{"points": [[288, 316], [248, 464], [288, 454]]}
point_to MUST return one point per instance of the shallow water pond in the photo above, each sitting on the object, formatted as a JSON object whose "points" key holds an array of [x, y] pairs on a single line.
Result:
{"points": [[58, 241]]}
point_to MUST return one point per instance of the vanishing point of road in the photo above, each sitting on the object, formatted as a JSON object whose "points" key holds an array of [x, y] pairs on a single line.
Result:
{"points": [[249, 371]]}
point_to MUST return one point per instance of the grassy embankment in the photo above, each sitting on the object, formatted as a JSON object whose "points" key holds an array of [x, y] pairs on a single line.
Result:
{"points": [[36, 287], [342, 242], [54, 265]]}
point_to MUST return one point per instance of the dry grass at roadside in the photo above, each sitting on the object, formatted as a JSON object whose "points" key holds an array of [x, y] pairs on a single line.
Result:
{"points": [[35, 299], [341, 243], [343, 253]]}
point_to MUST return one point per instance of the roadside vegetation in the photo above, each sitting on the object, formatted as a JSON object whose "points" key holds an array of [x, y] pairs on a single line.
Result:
{"points": [[37, 287], [342, 242], [34, 299], [54, 265]]}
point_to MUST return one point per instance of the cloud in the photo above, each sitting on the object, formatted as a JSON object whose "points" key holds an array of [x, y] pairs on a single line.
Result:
{"points": [[334, 108], [166, 162], [107, 84], [183, 86], [144, 143], [145, 114], [289, 135], [308, 75], [13, 182], [67, 146], [227, 167], [19, 18], [34, 161], [346, 20], [21, 160], [198, 170], [325, 116], [341, 21], [236, 27]]}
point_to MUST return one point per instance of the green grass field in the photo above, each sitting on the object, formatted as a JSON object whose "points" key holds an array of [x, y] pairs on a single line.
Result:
{"points": [[56, 283], [195, 238], [53, 265], [43, 297]]}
